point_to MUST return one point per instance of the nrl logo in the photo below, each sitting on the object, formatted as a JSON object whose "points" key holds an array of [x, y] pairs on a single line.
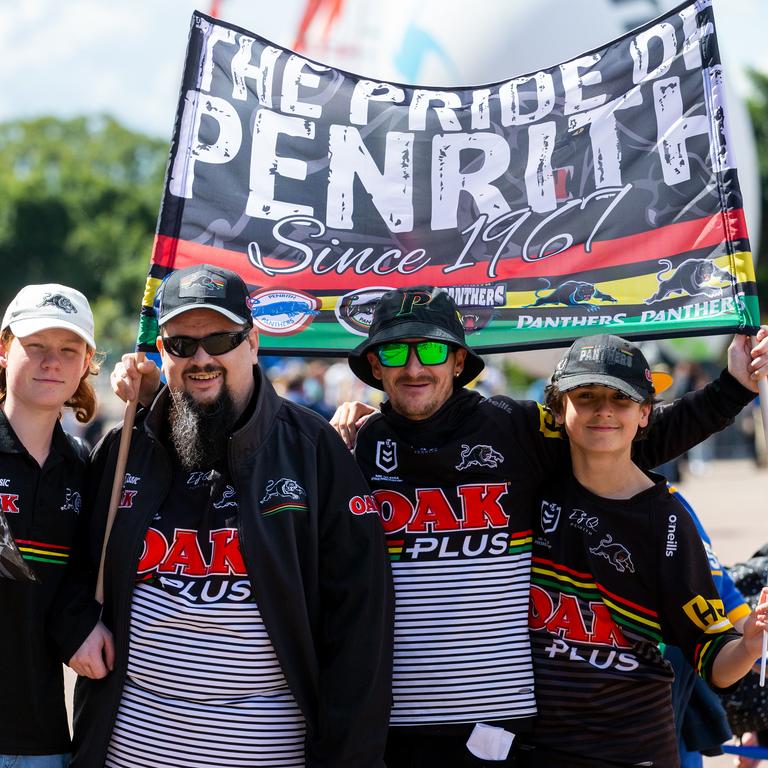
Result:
{"points": [[284, 488], [550, 516], [386, 455]]}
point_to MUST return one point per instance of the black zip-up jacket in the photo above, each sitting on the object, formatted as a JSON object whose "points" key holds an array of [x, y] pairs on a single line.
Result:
{"points": [[320, 577], [41, 505]]}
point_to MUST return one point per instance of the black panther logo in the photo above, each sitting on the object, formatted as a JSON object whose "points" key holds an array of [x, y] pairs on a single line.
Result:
{"points": [[204, 281], [572, 293], [479, 456], [285, 488], [692, 277], [474, 319], [57, 300], [358, 311]]}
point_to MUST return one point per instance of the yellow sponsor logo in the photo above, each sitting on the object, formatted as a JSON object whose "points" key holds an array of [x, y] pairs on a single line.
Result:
{"points": [[708, 615], [547, 424]]}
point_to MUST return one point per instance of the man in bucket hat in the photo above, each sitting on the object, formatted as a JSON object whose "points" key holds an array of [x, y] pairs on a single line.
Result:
{"points": [[455, 476]]}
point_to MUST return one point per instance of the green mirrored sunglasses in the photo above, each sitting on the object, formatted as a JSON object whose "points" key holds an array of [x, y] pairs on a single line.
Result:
{"points": [[395, 354]]}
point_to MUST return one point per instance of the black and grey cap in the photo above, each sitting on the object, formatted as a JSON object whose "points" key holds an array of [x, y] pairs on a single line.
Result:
{"points": [[609, 361], [205, 287], [422, 312]]}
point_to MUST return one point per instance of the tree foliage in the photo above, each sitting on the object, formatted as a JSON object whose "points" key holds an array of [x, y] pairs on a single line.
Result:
{"points": [[79, 206]]}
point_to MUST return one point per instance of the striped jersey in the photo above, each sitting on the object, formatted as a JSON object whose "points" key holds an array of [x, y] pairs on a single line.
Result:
{"points": [[39, 509], [455, 493], [204, 686], [611, 579]]}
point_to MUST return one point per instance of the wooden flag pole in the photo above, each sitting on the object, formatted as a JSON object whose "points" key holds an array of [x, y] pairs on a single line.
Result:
{"points": [[762, 390], [117, 483]]}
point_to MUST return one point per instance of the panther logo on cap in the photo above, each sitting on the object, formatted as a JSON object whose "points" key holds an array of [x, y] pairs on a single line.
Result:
{"points": [[57, 300], [203, 280]]}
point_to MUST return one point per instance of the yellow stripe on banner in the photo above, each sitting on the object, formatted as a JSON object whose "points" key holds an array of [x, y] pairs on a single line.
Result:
{"points": [[630, 615], [45, 552], [150, 291], [627, 290], [743, 267]]}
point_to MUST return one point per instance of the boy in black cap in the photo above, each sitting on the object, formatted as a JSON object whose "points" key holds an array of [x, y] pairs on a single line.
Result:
{"points": [[618, 567], [456, 477]]}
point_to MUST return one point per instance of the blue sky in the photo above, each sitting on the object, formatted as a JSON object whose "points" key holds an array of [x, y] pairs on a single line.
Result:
{"points": [[125, 57]]}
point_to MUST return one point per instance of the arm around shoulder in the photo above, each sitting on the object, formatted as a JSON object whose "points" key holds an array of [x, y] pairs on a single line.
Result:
{"points": [[357, 598]]}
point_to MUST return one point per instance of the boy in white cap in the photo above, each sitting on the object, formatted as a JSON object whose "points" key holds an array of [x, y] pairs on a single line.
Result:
{"points": [[46, 358]]}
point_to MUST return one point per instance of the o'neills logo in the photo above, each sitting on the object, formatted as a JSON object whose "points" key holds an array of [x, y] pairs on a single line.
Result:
{"points": [[354, 310], [283, 312], [671, 548]]}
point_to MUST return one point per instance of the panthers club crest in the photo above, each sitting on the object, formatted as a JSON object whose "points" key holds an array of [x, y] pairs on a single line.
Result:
{"points": [[479, 456], [284, 488]]}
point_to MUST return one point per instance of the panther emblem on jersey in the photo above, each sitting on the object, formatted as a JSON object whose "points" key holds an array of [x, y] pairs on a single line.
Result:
{"points": [[479, 456], [283, 488], [72, 502], [227, 499], [616, 554]]}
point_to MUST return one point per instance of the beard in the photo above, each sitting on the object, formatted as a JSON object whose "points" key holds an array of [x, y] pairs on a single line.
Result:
{"points": [[200, 431]]}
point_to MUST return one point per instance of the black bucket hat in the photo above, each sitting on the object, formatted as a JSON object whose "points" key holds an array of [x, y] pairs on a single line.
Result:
{"points": [[422, 312]]}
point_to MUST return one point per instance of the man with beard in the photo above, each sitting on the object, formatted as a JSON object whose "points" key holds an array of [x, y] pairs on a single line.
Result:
{"points": [[455, 477], [246, 582]]}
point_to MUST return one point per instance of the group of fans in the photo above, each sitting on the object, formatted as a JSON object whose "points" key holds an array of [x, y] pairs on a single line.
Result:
{"points": [[483, 582]]}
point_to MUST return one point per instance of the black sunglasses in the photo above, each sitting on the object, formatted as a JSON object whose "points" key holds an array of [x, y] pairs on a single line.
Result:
{"points": [[215, 344]]}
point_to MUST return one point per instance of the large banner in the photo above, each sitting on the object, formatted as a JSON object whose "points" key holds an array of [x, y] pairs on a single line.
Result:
{"points": [[600, 195]]}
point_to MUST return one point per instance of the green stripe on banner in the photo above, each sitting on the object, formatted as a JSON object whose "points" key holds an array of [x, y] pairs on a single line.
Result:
{"points": [[149, 330]]}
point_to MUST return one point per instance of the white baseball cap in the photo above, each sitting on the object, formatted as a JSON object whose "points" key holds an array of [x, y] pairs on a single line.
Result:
{"points": [[40, 307]]}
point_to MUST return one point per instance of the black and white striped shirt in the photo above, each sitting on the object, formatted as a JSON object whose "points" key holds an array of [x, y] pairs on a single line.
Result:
{"points": [[204, 685]]}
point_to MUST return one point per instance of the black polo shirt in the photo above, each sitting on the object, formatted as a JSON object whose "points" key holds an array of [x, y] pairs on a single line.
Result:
{"points": [[41, 505]]}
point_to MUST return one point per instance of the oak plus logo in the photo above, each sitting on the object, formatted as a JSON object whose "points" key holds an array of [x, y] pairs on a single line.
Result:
{"points": [[386, 455], [9, 502], [126, 500]]}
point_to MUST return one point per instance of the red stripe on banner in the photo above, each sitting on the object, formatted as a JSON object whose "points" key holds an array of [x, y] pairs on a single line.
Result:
{"points": [[645, 247]]}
